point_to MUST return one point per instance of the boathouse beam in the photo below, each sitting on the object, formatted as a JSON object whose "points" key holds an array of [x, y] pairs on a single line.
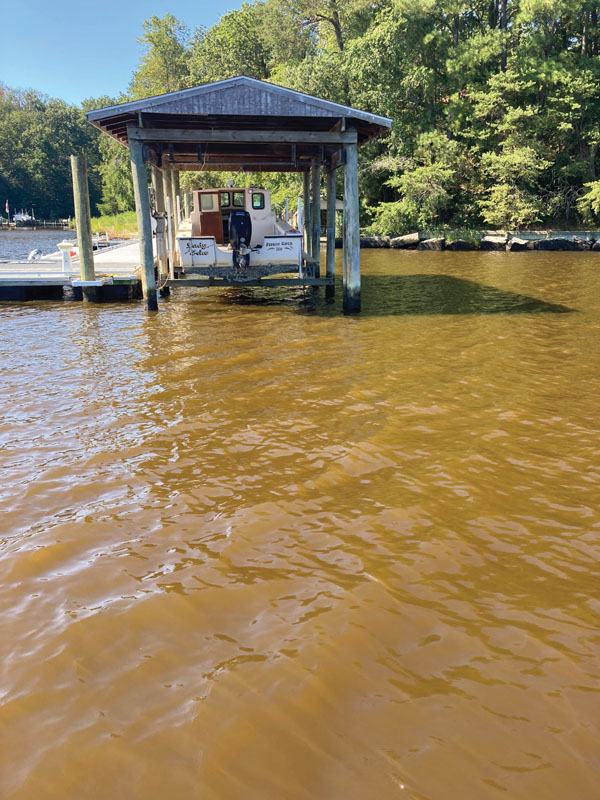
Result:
{"points": [[83, 221], [234, 166], [142, 208], [336, 161], [315, 250], [351, 272], [200, 135], [330, 256]]}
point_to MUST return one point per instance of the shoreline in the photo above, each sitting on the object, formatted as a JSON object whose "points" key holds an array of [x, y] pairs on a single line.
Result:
{"points": [[507, 241]]}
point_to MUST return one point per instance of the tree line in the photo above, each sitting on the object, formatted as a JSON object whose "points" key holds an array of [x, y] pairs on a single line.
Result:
{"points": [[37, 136], [496, 105]]}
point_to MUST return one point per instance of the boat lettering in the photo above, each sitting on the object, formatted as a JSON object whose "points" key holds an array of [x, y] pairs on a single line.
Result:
{"points": [[197, 248], [279, 246]]}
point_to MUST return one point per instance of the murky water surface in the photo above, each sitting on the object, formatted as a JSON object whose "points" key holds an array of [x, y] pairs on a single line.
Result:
{"points": [[252, 548]]}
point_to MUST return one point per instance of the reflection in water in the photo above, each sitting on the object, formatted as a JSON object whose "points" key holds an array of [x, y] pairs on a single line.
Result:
{"points": [[253, 548], [404, 294]]}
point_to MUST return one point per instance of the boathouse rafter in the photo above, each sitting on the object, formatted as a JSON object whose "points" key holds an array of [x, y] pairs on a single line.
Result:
{"points": [[243, 124]]}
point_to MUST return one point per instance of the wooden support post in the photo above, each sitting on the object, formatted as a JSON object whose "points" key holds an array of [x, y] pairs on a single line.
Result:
{"points": [[174, 176], [351, 277], [177, 191], [169, 241], [330, 258], [81, 197], [306, 225], [315, 179], [142, 208], [160, 235], [157, 185], [187, 205], [172, 198]]}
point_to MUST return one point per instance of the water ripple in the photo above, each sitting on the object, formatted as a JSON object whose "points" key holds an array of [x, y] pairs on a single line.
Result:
{"points": [[254, 548]]}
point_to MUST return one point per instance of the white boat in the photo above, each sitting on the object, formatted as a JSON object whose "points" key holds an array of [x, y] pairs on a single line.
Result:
{"points": [[23, 218], [233, 232]]}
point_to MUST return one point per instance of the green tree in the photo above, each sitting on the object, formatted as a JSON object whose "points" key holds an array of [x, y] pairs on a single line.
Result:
{"points": [[512, 200], [234, 46], [117, 183], [114, 168], [164, 65], [37, 137], [589, 203], [496, 105], [428, 185]]}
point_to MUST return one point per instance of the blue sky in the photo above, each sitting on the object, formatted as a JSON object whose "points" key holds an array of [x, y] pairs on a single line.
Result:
{"points": [[75, 49]]}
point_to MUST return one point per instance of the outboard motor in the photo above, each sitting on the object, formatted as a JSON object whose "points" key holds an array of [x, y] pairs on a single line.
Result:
{"points": [[240, 234]]}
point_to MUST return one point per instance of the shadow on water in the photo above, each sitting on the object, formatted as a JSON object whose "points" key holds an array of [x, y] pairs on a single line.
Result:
{"points": [[402, 295]]}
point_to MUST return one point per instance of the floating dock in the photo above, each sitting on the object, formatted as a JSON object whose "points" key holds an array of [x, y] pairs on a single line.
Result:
{"points": [[117, 276]]}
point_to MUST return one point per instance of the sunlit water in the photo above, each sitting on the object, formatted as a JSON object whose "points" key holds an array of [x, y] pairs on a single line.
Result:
{"points": [[252, 548], [17, 243]]}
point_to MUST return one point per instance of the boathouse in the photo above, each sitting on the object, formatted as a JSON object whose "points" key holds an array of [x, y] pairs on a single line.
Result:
{"points": [[245, 124]]}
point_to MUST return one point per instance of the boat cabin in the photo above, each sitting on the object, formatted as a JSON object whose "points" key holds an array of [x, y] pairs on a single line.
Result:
{"points": [[234, 227], [212, 208]]}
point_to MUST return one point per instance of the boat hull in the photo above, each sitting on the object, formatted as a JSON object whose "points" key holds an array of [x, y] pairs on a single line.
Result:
{"points": [[202, 256]]}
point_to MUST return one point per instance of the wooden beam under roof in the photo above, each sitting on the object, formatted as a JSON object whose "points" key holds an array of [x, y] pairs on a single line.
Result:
{"points": [[247, 136], [241, 165]]}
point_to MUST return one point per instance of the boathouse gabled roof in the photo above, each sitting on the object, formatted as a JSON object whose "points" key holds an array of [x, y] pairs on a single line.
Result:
{"points": [[242, 104]]}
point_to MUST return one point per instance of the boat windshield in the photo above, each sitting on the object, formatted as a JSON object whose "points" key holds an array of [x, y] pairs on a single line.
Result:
{"points": [[208, 202]]}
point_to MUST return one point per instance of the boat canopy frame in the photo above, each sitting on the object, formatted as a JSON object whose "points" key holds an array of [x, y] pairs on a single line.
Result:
{"points": [[243, 124]]}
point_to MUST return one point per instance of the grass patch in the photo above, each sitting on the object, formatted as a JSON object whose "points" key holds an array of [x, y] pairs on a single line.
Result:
{"points": [[119, 226], [452, 234]]}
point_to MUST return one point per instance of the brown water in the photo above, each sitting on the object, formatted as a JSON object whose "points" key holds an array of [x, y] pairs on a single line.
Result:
{"points": [[252, 548]]}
